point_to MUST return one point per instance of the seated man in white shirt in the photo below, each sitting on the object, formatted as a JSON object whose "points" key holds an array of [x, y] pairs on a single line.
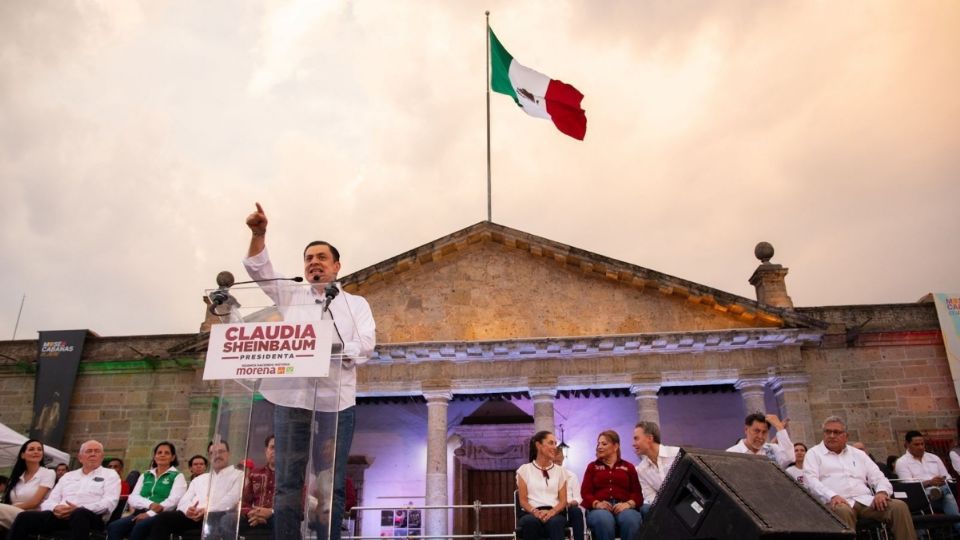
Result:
{"points": [[929, 470], [655, 462], [754, 441], [221, 488], [851, 484], [574, 513], [81, 502]]}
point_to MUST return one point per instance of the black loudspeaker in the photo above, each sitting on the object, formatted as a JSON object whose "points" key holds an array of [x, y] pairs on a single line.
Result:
{"points": [[716, 495]]}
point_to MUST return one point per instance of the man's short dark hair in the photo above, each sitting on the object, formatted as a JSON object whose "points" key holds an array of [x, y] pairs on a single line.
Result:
{"points": [[266, 442], [755, 417], [333, 250], [111, 460], [910, 435], [221, 441], [205, 462]]}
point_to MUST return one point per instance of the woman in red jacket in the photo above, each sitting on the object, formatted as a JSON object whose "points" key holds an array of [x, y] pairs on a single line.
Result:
{"points": [[611, 492]]}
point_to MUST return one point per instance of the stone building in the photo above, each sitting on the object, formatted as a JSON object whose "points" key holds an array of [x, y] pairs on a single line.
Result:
{"points": [[489, 334]]}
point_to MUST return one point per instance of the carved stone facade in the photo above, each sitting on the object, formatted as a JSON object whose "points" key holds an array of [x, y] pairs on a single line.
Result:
{"points": [[490, 310]]}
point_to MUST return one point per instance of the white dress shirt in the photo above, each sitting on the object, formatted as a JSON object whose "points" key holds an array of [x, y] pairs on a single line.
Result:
{"points": [[796, 473], [354, 323], [224, 493], [955, 460], [923, 469], [653, 474], [573, 486], [139, 502], [850, 474], [98, 491], [25, 490], [781, 453]]}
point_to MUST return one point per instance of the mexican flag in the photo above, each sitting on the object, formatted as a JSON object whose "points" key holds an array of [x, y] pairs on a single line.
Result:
{"points": [[537, 94]]}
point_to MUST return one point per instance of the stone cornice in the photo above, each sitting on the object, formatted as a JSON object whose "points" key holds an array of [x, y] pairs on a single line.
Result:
{"points": [[588, 263], [596, 346]]}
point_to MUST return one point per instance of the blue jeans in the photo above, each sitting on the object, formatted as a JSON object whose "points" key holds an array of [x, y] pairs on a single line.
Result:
{"points": [[947, 504], [292, 428], [604, 524], [125, 527], [531, 528]]}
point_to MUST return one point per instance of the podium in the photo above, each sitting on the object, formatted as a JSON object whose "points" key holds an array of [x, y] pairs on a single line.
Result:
{"points": [[280, 369]]}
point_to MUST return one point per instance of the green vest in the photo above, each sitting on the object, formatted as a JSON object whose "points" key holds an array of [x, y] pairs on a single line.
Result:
{"points": [[158, 489]]}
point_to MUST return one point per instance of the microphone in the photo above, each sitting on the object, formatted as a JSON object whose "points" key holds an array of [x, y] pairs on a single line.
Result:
{"points": [[225, 280], [329, 292], [297, 279]]}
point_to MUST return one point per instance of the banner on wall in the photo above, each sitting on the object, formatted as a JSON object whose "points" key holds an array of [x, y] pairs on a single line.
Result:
{"points": [[948, 311], [58, 359]]}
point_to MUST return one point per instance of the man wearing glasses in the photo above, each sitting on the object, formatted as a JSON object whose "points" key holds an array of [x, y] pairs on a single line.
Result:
{"points": [[851, 484]]}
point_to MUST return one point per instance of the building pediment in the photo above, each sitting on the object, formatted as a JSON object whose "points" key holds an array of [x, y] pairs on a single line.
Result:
{"points": [[490, 282]]}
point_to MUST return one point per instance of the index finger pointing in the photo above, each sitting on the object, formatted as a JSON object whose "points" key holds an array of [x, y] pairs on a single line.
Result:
{"points": [[259, 208]]}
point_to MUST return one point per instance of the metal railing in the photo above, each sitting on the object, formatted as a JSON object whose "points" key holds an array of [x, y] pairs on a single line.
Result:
{"points": [[476, 507]]}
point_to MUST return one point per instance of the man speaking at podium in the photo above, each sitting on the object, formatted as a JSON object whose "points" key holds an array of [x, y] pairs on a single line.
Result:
{"points": [[295, 399]]}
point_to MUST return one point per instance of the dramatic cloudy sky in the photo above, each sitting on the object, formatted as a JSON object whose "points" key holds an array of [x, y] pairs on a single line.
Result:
{"points": [[136, 136]]}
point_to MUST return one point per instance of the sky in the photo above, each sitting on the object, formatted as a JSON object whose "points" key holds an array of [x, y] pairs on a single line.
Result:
{"points": [[135, 138]]}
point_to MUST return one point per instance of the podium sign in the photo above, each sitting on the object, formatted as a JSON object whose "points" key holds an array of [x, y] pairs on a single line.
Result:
{"points": [[266, 350]]}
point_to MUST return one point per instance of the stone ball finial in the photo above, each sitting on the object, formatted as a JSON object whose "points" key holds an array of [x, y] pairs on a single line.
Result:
{"points": [[764, 252], [225, 279]]}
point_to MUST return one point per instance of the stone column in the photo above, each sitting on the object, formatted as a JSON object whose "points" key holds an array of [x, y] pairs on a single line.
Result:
{"points": [[437, 403], [543, 398], [793, 395], [752, 390], [646, 396]]}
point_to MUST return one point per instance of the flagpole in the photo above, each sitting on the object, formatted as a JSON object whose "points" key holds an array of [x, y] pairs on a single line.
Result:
{"points": [[487, 84]]}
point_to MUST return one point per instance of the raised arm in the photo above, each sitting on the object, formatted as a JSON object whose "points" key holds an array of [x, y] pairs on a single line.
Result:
{"points": [[257, 222]]}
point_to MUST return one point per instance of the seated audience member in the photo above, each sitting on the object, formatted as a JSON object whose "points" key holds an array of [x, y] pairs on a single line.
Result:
{"points": [[60, 469], [954, 454], [198, 466], [4, 480], [929, 470], [117, 465], [542, 491], [256, 510], [221, 489], [755, 431], [81, 502], [574, 513], [157, 490], [851, 484], [795, 469], [655, 461], [885, 468], [611, 492], [29, 484]]}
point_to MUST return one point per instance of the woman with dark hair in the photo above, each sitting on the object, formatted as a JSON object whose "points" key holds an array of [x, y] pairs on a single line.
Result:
{"points": [[611, 492], [157, 490], [30, 482], [541, 491]]}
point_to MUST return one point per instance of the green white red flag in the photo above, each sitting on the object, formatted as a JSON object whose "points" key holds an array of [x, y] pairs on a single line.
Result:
{"points": [[537, 94]]}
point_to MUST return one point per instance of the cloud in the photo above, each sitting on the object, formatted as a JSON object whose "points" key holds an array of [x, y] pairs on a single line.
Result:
{"points": [[134, 140]]}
